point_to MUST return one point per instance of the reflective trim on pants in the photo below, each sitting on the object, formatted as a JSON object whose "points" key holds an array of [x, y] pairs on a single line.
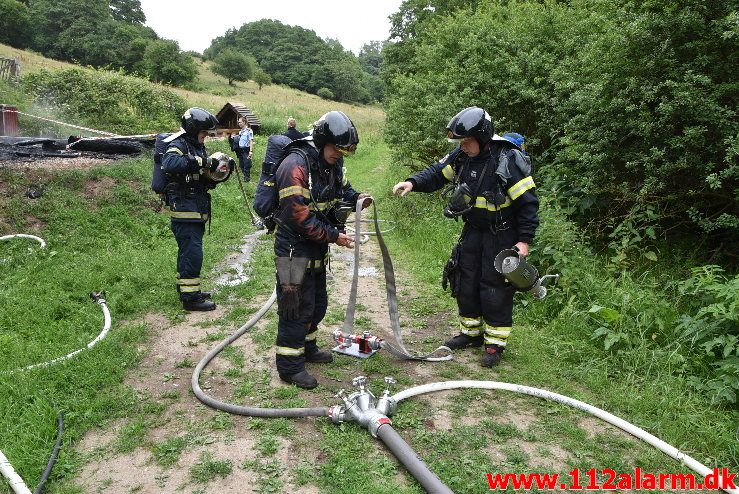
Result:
{"points": [[289, 352], [470, 325], [497, 335]]}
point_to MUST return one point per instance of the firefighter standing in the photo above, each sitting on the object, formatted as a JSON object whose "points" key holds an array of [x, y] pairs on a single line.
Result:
{"points": [[311, 180], [492, 190], [191, 174]]}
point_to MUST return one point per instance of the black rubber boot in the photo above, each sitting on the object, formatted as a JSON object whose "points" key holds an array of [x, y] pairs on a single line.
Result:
{"points": [[462, 340], [319, 357], [198, 305], [302, 379], [205, 295], [492, 355]]}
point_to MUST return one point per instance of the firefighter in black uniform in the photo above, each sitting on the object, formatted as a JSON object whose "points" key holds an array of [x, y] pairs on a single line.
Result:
{"points": [[490, 187], [190, 175], [312, 182]]}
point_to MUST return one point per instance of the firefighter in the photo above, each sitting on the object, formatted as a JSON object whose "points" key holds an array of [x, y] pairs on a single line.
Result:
{"points": [[190, 175], [490, 187], [310, 183]]}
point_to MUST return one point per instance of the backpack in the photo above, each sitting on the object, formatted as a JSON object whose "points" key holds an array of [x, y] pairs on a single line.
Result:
{"points": [[159, 179], [266, 197]]}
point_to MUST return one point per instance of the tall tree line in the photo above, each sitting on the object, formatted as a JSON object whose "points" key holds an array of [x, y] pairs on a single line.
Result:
{"points": [[101, 33], [297, 57]]}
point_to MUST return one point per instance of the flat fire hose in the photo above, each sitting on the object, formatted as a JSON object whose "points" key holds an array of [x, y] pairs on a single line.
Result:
{"points": [[398, 349]]}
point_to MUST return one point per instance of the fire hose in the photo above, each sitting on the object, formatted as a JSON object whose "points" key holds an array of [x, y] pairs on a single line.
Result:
{"points": [[368, 411], [23, 235], [97, 297]]}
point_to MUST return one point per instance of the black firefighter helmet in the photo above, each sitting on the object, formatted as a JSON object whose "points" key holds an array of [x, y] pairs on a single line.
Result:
{"points": [[196, 119], [471, 122], [336, 128]]}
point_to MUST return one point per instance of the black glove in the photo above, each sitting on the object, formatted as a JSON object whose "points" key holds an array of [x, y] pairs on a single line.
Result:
{"points": [[288, 305]]}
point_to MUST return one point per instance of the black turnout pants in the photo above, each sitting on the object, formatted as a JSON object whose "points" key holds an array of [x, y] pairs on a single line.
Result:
{"points": [[484, 294], [189, 235], [296, 339]]}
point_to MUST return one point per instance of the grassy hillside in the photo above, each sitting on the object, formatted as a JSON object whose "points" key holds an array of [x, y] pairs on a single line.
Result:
{"points": [[273, 104]]}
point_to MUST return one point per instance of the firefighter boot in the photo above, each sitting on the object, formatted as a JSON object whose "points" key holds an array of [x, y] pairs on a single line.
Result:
{"points": [[201, 304], [319, 357], [462, 340], [302, 379], [492, 355]]}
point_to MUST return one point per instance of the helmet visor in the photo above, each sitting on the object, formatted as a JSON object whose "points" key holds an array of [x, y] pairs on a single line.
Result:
{"points": [[346, 150]]}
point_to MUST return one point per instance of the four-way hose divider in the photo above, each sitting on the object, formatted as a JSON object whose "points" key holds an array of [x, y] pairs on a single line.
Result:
{"points": [[374, 415]]}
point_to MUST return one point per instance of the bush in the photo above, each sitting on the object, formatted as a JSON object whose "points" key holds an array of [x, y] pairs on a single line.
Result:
{"points": [[234, 66], [618, 133], [106, 101], [325, 93], [163, 62]]}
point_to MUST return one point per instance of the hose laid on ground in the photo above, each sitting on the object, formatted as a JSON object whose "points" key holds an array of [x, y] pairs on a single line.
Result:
{"points": [[410, 460], [54, 453], [669, 450], [23, 235], [97, 297], [15, 480], [398, 348], [240, 410]]}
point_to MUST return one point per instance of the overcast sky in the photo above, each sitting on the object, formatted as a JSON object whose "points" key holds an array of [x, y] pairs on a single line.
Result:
{"points": [[195, 23]]}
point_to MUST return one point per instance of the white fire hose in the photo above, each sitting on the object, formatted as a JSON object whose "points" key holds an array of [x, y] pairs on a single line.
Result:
{"points": [[669, 450]]}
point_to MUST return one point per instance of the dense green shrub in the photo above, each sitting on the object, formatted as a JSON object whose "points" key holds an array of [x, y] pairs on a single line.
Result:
{"points": [[630, 107], [163, 62], [650, 322], [106, 101]]}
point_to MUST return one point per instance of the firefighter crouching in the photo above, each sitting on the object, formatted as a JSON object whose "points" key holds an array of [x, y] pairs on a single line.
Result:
{"points": [[489, 185], [311, 181], [190, 175]]}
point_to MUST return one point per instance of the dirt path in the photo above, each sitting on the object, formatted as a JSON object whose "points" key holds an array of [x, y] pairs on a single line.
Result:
{"points": [[163, 380], [164, 377]]}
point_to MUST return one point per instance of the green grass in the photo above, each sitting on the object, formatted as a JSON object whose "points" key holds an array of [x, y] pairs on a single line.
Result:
{"points": [[114, 241]]}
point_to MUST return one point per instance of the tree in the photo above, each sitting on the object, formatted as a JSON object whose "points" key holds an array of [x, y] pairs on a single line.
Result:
{"points": [[262, 78], [234, 66], [370, 57], [15, 24], [128, 11], [164, 63]]}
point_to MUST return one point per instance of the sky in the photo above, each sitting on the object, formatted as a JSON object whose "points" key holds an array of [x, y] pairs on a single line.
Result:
{"points": [[195, 23]]}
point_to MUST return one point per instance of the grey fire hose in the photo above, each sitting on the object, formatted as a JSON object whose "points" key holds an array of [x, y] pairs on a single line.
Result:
{"points": [[410, 460], [240, 410], [392, 299]]}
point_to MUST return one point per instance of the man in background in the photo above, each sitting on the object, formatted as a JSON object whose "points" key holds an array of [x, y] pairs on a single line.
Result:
{"points": [[292, 132]]}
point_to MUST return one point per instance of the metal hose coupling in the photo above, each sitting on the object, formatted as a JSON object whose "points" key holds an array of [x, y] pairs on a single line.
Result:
{"points": [[363, 407]]}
